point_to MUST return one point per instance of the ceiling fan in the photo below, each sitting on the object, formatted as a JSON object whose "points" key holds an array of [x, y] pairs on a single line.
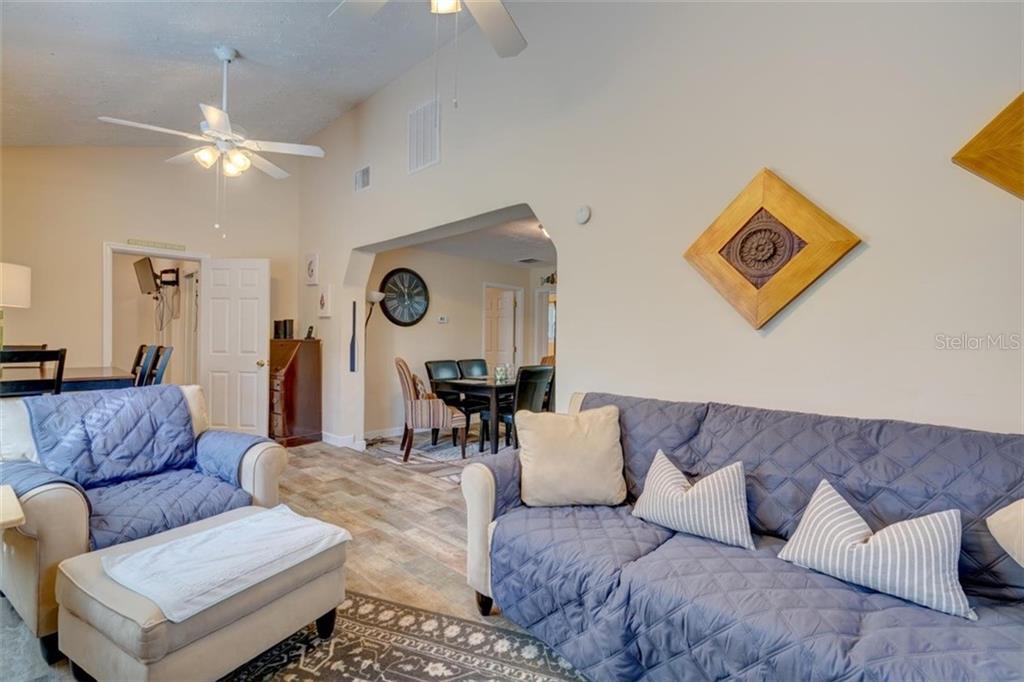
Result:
{"points": [[491, 16], [224, 142]]}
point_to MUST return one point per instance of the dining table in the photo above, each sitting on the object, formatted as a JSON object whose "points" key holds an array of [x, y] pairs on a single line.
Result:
{"points": [[14, 379], [486, 387]]}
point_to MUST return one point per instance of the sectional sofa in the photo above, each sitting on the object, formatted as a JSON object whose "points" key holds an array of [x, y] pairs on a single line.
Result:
{"points": [[624, 599]]}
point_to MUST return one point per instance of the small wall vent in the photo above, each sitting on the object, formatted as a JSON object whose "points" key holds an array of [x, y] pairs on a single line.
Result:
{"points": [[362, 179], [424, 136]]}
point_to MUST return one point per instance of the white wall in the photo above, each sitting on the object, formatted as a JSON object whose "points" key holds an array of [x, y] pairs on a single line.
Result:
{"points": [[657, 115], [61, 203], [456, 287]]}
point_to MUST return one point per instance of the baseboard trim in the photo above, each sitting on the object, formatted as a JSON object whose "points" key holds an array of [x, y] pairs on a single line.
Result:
{"points": [[385, 433], [348, 441]]}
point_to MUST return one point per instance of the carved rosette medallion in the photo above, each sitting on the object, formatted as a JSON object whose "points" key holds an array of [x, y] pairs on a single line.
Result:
{"points": [[767, 246], [761, 248]]}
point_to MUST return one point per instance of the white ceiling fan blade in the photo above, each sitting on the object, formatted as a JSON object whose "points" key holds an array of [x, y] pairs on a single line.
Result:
{"points": [[283, 148], [363, 8], [155, 129], [494, 20], [270, 169], [216, 119], [184, 157]]}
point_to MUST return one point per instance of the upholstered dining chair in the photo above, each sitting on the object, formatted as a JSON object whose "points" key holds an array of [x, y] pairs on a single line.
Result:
{"points": [[424, 410], [532, 385], [449, 369]]}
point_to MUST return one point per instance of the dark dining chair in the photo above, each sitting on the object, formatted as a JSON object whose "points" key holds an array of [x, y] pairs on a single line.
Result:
{"points": [[161, 365], [532, 385], [40, 346], [137, 362], [449, 369], [53, 383], [473, 369], [146, 366]]}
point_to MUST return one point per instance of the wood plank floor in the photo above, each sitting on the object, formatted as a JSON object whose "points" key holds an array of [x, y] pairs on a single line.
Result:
{"points": [[409, 528]]}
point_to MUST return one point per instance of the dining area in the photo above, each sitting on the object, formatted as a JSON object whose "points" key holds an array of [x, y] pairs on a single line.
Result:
{"points": [[27, 370], [461, 392]]}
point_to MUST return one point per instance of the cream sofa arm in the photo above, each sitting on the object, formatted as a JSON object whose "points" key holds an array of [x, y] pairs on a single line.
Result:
{"points": [[478, 488], [56, 528], [259, 472]]}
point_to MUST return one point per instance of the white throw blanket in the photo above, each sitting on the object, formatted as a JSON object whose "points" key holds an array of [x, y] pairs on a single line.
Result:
{"points": [[192, 573]]}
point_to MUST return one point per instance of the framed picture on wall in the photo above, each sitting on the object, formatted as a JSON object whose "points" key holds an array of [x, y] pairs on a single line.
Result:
{"points": [[324, 301], [312, 269]]}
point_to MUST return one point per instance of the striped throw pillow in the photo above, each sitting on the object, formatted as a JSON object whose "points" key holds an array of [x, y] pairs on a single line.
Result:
{"points": [[715, 507], [914, 560]]}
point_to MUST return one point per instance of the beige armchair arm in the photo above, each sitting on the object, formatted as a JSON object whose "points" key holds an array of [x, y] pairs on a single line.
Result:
{"points": [[56, 528], [259, 472]]}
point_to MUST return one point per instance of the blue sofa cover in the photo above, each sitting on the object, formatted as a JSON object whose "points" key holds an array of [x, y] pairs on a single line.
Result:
{"points": [[623, 599], [135, 454]]}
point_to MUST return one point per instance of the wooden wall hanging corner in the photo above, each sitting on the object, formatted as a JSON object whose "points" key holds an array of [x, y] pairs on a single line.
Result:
{"points": [[996, 153]]}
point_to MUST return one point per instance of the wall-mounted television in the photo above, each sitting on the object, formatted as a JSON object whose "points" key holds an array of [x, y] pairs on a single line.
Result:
{"points": [[148, 281]]}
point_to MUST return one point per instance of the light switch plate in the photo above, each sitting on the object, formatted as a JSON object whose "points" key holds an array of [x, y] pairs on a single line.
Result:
{"points": [[442, 319]]}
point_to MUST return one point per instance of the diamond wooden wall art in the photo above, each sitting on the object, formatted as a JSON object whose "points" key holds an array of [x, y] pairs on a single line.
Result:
{"points": [[996, 153], [767, 246]]}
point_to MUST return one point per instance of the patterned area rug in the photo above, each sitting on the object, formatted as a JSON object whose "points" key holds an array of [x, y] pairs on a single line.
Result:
{"points": [[376, 640], [440, 461]]}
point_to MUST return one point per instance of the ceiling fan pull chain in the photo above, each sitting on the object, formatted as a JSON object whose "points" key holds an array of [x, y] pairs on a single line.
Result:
{"points": [[455, 89]]}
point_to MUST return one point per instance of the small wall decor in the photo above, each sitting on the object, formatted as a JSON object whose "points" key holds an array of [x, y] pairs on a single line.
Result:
{"points": [[312, 269], [324, 301], [996, 153], [767, 246], [406, 297]]}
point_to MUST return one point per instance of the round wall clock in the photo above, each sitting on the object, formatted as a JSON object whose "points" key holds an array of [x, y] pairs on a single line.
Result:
{"points": [[406, 298]]}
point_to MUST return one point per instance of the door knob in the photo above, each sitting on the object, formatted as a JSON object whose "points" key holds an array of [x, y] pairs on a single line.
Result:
{"points": [[260, 363]]}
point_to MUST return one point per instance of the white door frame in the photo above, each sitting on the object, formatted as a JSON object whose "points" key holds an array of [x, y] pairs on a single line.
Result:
{"points": [[540, 321], [109, 249], [518, 356]]}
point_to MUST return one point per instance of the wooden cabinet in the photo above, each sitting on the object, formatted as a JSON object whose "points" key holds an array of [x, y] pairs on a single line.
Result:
{"points": [[295, 391]]}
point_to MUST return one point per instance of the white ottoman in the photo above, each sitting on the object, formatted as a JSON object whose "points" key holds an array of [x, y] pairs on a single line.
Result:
{"points": [[113, 633]]}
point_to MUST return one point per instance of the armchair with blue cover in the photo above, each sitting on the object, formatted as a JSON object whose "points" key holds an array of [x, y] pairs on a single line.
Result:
{"points": [[98, 468]]}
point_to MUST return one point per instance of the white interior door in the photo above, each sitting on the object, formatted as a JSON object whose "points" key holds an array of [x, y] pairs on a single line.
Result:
{"points": [[234, 342], [499, 326]]}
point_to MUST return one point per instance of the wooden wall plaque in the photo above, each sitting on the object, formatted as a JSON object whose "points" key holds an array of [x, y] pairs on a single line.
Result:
{"points": [[767, 246]]}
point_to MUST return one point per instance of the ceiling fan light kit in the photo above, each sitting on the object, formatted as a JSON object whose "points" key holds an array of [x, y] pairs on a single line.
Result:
{"points": [[445, 6]]}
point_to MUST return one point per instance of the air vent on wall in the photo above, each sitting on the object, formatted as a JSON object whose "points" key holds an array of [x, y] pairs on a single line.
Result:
{"points": [[424, 136], [362, 179], [530, 261]]}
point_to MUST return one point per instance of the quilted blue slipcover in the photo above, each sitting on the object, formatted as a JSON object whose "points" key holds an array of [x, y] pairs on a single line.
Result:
{"points": [[623, 599], [134, 453]]}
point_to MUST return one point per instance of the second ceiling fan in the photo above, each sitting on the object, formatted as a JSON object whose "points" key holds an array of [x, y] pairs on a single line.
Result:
{"points": [[491, 16]]}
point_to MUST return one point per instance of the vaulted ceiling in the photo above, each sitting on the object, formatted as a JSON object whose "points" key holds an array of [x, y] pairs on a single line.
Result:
{"points": [[65, 63]]}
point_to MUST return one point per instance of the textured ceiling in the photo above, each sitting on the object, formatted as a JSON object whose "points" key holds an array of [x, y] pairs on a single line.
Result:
{"points": [[65, 63], [507, 243]]}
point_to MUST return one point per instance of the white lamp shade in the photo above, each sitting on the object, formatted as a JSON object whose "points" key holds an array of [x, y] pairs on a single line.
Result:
{"points": [[15, 286], [375, 296]]}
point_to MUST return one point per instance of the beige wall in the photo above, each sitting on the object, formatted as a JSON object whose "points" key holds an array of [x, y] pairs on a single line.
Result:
{"points": [[456, 290], [656, 115], [61, 203]]}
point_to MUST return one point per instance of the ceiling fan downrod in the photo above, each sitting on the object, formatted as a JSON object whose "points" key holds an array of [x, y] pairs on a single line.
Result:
{"points": [[226, 55]]}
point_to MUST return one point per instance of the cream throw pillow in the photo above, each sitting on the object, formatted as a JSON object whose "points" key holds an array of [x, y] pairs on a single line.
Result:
{"points": [[571, 458], [1007, 527]]}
